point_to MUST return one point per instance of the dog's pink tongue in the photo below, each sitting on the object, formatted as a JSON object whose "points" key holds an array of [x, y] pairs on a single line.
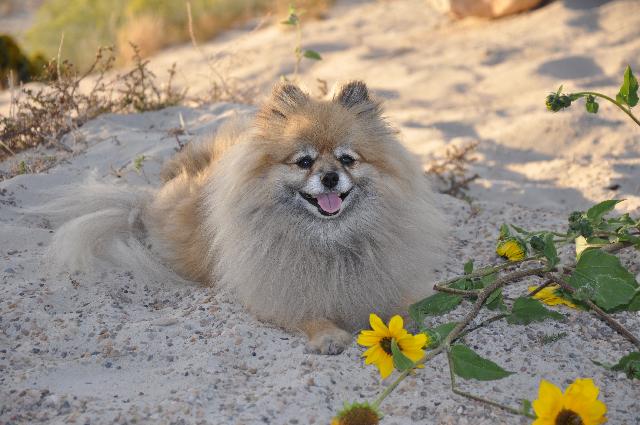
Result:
{"points": [[329, 202]]}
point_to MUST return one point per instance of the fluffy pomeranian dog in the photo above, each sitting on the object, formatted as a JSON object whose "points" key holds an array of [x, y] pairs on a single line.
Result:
{"points": [[313, 215]]}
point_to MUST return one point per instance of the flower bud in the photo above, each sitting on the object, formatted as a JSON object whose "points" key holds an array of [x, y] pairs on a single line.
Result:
{"points": [[556, 102], [575, 216], [585, 228]]}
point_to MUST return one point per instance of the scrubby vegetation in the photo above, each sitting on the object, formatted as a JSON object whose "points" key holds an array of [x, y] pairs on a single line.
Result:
{"points": [[626, 98], [452, 169], [593, 280], [149, 24], [41, 116], [578, 268]]}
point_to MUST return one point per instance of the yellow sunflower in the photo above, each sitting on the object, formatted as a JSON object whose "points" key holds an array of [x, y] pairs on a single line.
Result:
{"points": [[549, 296], [579, 405], [379, 342], [511, 249]]}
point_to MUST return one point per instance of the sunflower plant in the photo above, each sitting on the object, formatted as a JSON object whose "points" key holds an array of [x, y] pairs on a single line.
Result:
{"points": [[626, 98], [577, 268], [577, 405]]}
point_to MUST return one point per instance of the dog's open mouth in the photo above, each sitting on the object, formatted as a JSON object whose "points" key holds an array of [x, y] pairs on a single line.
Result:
{"points": [[327, 203]]}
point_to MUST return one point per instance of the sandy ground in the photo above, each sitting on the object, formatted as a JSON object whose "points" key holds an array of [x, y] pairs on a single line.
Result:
{"points": [[108, 349]]}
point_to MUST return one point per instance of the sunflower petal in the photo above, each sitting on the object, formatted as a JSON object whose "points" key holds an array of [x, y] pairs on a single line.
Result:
{"points": [[549, 402], [372, 354], [420, 339], [378, 325], [413, 355], [597, 411], [584, 389], [582, 397], [412, 342], [396, 325], [542, 421], [368, 339], [549, 296], [386, 366]]}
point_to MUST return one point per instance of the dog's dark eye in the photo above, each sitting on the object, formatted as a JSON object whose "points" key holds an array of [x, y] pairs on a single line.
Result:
{"points": [[347, 160], [305, 162]]}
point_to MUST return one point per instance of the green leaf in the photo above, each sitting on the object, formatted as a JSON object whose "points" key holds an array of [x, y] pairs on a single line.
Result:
{"points": [[469, 365], [591, 105], [527, 310], [312, 54], [463, 283], [434, 305], [550, 251], [468, 267], [504, 232], [628, 93], [629, 238], [487, 280], [292, 19], [582, 244], [400, 361], [629, 364], [526, 407], [600, 277], [520, 230], [495, 301], [439, 333], [634, 304], [596, 212]]}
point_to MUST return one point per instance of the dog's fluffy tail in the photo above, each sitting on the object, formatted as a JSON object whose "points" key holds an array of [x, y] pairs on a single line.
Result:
{"points": [[103, 228]]}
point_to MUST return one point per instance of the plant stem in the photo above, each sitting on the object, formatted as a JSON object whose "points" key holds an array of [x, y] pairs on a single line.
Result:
{"points": [[7, 147], [601, 313], [298, 48], [615, 102], [454, 291], [481, 399], [455, 333], [389, 389], [541, 287], [485, 271]]}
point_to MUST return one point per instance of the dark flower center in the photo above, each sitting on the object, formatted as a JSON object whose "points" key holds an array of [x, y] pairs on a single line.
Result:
{"points": [[385, 343], [360, 416], [567, 417]]}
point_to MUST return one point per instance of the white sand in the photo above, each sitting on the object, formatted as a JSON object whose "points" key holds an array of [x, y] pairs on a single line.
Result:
{"points": [[107, 350]]}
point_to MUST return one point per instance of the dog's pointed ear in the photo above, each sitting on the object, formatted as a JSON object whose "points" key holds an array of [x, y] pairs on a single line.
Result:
{"points": [[285, 98], [355, 95], [352, 93]]}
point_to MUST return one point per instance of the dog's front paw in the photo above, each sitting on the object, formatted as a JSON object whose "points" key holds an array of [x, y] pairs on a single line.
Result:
{"points": [[331, 341]]}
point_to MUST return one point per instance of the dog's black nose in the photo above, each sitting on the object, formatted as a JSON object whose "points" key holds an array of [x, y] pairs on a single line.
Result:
{"points": [[330, 180]]}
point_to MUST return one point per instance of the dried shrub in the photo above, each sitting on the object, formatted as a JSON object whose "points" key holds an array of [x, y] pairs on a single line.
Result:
{"points": [[140, 90], [452, 170], [42, 115]]}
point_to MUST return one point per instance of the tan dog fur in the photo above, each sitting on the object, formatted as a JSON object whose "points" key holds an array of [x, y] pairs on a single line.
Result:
{"points": [[232, 213]]}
